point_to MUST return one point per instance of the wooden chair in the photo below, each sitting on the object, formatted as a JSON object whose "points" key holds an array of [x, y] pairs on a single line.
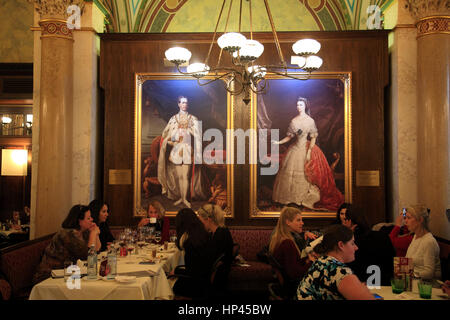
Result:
{"points": [[212, 288], [278, 290]]}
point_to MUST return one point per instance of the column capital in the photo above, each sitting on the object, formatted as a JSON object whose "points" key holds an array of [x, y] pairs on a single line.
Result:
{"points": [[55, 8], [420, 9]]}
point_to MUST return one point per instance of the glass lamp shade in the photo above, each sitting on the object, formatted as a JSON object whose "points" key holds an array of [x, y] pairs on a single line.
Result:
{"points": [[178, 55], [6, 120], [198, 70], [298, 60], [313, 63], [231, 41], [251, 50], [306, 47], [257, 71]]}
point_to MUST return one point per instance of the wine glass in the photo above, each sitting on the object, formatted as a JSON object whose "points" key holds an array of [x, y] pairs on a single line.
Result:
{"points": [[158, 237]]}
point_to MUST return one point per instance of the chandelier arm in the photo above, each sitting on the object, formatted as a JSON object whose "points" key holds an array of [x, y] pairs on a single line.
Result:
{"points": [[215, 31], [226, 28], [214, 79], [284, 74], [275, 37], [240, 15]]}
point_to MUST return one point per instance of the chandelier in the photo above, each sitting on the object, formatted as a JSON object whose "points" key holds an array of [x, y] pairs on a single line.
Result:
{"points": [[246, 76]]}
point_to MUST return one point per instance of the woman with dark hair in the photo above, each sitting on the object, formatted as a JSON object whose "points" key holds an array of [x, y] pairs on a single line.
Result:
{"points": [[329, 278], [99, 213], [156, 216], [193, 239], [375, 247], [305, 177], [70, 243], [343, 213]]}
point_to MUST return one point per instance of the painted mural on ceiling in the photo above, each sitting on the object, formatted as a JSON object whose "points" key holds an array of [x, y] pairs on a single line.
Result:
{"points": [[201, 15]]}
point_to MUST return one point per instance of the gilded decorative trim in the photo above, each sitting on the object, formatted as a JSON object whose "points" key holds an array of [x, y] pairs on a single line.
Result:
{"points": [[139, 79], [55, 28], [55, 7], [433, 25], [346, 78]]}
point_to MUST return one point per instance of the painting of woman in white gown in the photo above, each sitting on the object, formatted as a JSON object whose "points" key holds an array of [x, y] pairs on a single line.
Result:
{"points": [[310, 119]]}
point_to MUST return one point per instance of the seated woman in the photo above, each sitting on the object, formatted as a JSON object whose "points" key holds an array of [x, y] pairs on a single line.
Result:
{"points": [[194, 240], [156, 218], [286, 251], [375, 248], [213, 218], [424, 249], [329, 278], [15, 222], [70, 243], [99, 213], [341, 213], [400, 236]]}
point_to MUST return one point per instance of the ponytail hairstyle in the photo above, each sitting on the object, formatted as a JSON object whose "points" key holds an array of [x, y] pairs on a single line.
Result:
{"points": [[214, 212], [331, 237], [282, 230]]}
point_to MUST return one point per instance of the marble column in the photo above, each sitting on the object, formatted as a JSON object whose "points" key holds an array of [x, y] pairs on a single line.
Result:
{"points": [[53, 176], [403, 115], [433, 95]]}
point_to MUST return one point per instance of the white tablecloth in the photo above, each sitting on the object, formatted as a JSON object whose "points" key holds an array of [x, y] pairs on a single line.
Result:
{"points": [[387, 294], [151, 281]]}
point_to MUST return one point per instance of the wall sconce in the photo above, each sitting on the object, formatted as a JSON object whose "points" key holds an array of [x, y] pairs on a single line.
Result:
{"points": [[14, 162]]}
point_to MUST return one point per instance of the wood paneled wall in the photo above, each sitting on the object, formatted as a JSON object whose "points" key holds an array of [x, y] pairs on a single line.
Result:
{"points": [[364, 53]]}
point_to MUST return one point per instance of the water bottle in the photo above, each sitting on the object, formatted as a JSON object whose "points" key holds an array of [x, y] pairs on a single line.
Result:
{"points": [[112, 263], [92, 263]]}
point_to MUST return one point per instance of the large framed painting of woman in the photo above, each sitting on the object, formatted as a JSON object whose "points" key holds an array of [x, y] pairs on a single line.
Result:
{"points": [[180, 144], [302, 144]]}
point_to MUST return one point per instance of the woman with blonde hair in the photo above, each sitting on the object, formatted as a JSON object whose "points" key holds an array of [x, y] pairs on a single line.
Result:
{"points": [[423, 249], [285, 250], [213, 218], [156, 217]]}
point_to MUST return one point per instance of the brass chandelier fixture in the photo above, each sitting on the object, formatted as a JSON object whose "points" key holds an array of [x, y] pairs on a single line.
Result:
{"points": [[246, 76]]}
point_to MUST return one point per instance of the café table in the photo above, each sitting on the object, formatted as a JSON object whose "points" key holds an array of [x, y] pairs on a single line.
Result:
{"points": [[386, 293], [151, 282]]}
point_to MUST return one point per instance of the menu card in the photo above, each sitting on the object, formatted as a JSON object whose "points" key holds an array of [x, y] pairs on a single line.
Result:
{"points": [[404, 268]]}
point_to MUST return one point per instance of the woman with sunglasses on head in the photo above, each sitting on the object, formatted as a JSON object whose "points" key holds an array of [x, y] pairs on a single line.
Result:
{"points": [[213, 218], [71, 243], [99, 213], [423, 249]]}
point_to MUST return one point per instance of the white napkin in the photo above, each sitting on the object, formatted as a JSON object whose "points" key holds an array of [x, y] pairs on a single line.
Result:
{"points": [[58, 273]]}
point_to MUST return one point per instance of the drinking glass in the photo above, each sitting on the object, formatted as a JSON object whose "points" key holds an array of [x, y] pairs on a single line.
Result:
{"points": [[425, 288], [398, 285], [158, 237]]}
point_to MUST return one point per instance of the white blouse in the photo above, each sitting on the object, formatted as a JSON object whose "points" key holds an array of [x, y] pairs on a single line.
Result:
{"points": [[425, 254]]}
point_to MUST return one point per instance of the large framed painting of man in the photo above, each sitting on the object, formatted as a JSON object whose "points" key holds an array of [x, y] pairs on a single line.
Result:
{"points": [[304, 131], [180, 144]]}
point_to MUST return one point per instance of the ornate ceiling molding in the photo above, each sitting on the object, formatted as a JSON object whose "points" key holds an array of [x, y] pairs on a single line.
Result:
{"points": [[55, 8], [420, 9]]}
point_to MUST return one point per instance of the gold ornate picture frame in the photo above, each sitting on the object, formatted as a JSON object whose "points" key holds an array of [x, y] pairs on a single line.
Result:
{"points": [[156, 102], [328, 97]]}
